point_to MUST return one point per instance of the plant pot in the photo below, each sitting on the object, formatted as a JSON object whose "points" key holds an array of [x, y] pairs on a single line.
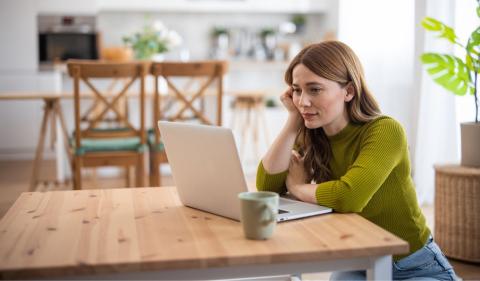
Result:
{"points": [[470, 138], [158, 57]]}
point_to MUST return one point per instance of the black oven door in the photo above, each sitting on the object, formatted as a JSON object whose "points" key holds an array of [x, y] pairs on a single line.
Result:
{"points": [[54, 47]]}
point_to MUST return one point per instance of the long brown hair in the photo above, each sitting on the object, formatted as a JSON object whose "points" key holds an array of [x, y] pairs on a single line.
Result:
{"points": [[335, 61]]}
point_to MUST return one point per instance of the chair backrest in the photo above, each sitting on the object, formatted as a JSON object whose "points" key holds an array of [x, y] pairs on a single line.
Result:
{"points": [[92, 74], [180, 78]]}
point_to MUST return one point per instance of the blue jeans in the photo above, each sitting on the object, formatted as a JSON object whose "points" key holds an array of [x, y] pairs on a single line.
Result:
{"points": [[427, 263]]}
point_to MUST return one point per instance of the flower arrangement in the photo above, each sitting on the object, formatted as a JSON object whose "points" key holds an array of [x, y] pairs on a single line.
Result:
{"points": [[153, 39]]}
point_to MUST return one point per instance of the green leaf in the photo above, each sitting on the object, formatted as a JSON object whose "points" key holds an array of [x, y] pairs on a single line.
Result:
{"points": [[473, 49], [478, 11], [442, 30], [469, 62], [448, 71]]}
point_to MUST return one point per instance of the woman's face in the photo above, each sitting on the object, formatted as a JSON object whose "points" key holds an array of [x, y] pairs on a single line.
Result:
{"points": [[320, 101]]}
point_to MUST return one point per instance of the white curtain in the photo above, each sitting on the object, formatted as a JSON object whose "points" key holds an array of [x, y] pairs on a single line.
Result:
{"points": [[434, 110]]}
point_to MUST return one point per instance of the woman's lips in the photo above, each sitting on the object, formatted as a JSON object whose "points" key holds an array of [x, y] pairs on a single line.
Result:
{"points": [[309, 116]]}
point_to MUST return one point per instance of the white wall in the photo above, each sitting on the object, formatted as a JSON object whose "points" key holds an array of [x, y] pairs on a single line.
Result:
{"points": [[62, 7], [382, 35], [18, 30], [216, 6], [20, 120]]}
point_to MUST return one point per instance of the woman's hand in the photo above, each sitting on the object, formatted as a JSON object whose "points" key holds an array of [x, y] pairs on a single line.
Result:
{"points": [[287, 100], [294, 115], [297, 181], [296, 174]]}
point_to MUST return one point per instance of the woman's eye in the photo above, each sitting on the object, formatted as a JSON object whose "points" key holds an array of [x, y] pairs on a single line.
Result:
{"points": [[315, 90], [296, 91]]}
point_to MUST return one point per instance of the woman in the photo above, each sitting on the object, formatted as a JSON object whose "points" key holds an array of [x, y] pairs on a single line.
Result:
{"points": [[348, 157]]}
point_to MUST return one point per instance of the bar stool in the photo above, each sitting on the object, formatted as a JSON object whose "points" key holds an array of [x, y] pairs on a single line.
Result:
{"points": [[249, 111]]}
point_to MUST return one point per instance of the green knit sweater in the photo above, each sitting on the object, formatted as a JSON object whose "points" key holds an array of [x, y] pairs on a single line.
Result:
{"points": [[370, 176]]}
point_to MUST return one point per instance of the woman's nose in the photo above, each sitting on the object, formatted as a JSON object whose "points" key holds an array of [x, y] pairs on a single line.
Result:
{"points": [[304, 101]]}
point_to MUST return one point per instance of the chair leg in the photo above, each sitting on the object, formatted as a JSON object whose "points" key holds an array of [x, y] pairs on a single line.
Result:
{"points": [[127, 176], [154, 170], [77, 178], [159, 174], [95, 177], [139, 170]]}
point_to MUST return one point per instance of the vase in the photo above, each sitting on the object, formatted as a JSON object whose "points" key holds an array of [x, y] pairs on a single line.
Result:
{"points": [[158, 57], [470, 139]]}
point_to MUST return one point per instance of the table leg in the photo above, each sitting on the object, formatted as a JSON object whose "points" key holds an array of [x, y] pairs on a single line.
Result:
{"points": [[52, 112], [381, 269], [53, 125], [40, 145], [63, 146]]}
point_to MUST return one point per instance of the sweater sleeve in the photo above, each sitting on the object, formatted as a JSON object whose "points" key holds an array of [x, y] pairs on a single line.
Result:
{"points": [[271, 182], [381, 149]]}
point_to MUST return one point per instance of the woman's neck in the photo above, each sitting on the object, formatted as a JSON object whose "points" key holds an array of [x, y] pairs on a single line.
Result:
{"points": [[337, 125]]}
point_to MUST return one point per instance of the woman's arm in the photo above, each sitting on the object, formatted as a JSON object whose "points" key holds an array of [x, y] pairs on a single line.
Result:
{"points": [[277, 158], [382, 149], [272, 170]]}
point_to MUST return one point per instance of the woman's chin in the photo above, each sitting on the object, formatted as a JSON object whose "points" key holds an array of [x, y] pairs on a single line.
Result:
{"points": [[311, 124]]}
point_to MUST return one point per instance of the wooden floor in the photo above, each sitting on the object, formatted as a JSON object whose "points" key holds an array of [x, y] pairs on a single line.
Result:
{"points": [[15, 175]]}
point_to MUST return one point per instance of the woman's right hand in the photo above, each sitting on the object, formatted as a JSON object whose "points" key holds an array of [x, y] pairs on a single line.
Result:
{"points": [[287, 100], [294, 115]]}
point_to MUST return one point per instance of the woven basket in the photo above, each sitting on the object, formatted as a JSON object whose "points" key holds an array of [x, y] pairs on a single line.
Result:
{"points": [[457, 211]]}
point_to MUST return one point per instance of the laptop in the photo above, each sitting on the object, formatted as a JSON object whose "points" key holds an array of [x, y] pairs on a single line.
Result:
{"points": [[208, 174]]}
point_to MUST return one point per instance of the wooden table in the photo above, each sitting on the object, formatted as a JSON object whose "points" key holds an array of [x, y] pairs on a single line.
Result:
{"points": [[52, 114], [146, 233]]}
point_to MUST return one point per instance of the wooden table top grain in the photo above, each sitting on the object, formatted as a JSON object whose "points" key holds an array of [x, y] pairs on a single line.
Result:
{"points": [[62, 233]]}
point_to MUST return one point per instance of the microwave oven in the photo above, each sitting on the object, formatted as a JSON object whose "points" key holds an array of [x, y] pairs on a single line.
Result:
{"points": [[61, 46]]}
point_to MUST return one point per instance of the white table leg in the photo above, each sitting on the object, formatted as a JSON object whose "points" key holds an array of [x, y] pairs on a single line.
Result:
{"points": [[381, 268], [60, 146], [60, 153]]}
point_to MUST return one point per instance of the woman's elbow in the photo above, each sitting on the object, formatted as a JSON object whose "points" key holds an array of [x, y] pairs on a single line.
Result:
{"points": [[346, 205]]}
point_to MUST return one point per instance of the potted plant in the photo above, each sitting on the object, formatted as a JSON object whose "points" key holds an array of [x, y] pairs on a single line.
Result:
{"points": [[460, 77], [219, 30], [299, 21], [154, 39], [220, 41]]}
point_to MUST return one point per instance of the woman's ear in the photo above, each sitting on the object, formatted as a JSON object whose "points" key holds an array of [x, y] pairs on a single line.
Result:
{"points": [[349, 92]]}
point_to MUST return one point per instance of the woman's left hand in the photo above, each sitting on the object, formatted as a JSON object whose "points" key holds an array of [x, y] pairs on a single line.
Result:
{"points": [[296, 174]]}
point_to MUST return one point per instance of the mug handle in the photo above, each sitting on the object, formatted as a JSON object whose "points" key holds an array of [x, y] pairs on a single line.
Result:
{"points": [[271, 213]]}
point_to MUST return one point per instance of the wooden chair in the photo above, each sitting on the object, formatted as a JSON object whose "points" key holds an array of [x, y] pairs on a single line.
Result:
{"points": [[95, 145], [182, 98]]}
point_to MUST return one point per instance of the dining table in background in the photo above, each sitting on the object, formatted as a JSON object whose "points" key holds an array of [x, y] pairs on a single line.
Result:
{"points": [[146, 233], [53, 121], [53, 118]]}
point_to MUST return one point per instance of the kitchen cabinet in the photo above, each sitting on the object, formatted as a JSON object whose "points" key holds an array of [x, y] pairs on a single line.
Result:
{"points": [[246, 6]]}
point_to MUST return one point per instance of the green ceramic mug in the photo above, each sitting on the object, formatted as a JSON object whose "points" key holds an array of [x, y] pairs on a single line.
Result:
{"points": [[259, 213]]}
